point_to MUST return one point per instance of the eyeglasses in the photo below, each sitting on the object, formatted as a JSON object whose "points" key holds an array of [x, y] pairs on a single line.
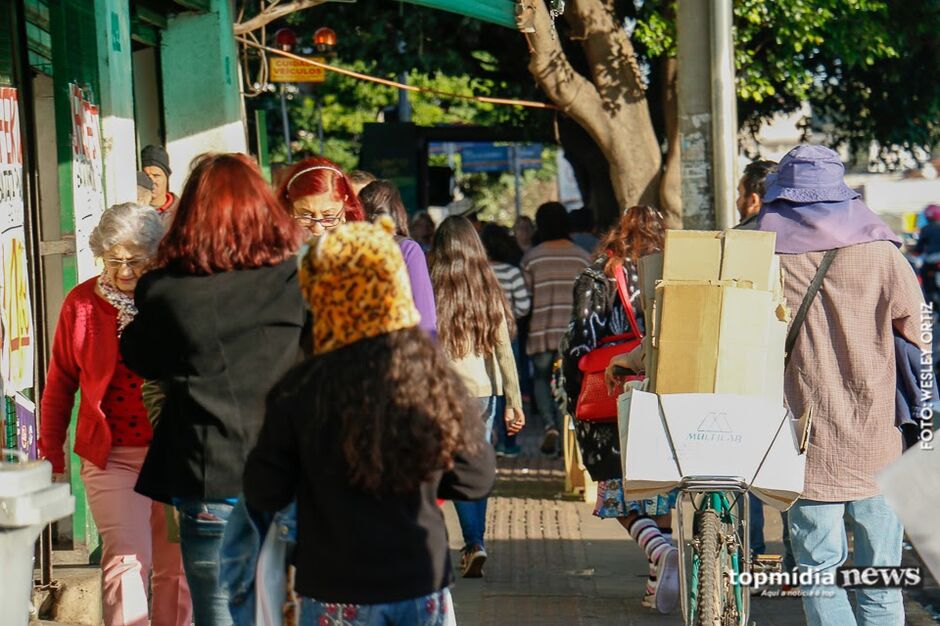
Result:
{"points": [[327, 221], [135, 264]]}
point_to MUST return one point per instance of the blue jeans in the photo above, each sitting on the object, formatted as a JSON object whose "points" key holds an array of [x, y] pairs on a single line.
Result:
{"points": [[202, 525], [436, 609], [548, 409], [817, 532], [472, 513], [756, 532]]}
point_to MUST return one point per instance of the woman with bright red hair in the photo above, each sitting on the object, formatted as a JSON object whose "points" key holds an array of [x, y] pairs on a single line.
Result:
{"points": [[319, 195], [218, 324]]}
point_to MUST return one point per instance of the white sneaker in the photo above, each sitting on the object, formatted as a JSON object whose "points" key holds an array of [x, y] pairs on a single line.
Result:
{"points": [[667, 582]]}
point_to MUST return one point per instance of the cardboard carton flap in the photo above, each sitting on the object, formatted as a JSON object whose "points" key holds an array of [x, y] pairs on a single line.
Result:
{"points": [[748, 255], [692, 255]]}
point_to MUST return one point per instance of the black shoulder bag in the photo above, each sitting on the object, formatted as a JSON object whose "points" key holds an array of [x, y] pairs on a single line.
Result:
{"points": [[807, 301]]}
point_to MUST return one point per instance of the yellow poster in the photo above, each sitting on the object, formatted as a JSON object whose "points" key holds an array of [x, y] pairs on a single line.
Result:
{"points": [[16, 354]]}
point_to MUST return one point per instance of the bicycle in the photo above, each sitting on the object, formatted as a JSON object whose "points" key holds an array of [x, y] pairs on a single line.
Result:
{"points": [[715, 567]]}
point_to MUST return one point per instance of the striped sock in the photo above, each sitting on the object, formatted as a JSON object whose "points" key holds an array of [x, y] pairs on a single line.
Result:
{"points": [[667, 535], [648, 536]]}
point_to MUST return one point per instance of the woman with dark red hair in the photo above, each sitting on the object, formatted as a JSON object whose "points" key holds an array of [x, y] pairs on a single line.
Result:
{"points": [[599, 313], [319, 195], [218, 324]]}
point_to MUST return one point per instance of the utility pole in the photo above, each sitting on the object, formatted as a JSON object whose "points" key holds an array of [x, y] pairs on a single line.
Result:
{"points": [[707, 113], [285, 122], [517, 175], [320, 123]]}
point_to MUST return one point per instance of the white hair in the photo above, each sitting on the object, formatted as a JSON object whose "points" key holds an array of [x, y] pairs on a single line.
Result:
{"points": [[128, 224]]}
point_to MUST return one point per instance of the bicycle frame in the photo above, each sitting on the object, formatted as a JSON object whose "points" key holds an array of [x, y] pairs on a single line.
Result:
{"points": [[712, 493]]}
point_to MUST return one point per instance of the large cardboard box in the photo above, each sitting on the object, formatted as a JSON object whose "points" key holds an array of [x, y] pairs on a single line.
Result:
{"points": [[718, 338], [667, 437], [717, 319]]}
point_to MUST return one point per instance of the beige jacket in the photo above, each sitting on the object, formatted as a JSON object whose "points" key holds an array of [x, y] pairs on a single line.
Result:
{"points": [[494, 374]]}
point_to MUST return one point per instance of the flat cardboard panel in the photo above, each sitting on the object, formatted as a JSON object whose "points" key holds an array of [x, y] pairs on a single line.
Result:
{"points": [[776, 482], [648, 463], [714, 435], [692, 255], [650, 269], [743, 342], [688, 338], [773, 368], [748, 255]]}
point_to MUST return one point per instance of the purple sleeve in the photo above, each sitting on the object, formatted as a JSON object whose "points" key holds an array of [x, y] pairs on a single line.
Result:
{"points": [[421, 289]]}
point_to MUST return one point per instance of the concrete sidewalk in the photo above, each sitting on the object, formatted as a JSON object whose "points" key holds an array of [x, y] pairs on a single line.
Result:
{"points": [[552, 562]]}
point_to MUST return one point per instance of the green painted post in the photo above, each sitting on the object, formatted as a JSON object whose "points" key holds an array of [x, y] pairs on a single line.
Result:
{"points": [[261, 140], [74, 35]]}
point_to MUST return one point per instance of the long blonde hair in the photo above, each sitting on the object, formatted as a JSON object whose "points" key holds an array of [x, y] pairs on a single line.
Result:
{"points": [[470, 303]]}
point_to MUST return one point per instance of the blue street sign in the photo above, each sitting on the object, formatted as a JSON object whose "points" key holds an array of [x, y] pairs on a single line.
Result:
{"points": [[530, 156], [485, 157]]}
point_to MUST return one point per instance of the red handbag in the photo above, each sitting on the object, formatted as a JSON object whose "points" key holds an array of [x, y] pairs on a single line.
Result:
{"points": [[595, 404]]}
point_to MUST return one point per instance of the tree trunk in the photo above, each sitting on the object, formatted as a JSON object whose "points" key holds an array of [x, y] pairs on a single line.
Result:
{"points": [[670, 192], [589, 165], [611, 106]]}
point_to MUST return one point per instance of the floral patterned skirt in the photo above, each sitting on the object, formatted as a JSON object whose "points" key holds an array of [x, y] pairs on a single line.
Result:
{"points": [[611, 502]]}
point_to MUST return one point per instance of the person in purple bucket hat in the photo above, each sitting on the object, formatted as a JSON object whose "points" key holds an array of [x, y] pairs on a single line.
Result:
{"points": [[841, 371]]}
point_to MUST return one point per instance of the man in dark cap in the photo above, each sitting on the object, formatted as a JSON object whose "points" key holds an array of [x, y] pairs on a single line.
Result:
{"points": [[156, 164], [144, 189]]}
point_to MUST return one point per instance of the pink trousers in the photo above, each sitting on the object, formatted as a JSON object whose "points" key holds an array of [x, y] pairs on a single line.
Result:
{"points": [[134, 544]]}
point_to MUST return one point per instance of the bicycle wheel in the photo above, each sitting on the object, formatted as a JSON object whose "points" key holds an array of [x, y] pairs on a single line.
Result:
{"points": [[708, 595]]}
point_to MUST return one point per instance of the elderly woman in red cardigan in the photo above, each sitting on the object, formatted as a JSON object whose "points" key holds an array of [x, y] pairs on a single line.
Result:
{"points": [[112, 432]]}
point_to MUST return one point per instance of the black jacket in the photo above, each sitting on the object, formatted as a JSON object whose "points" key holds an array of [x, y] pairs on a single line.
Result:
{"points": [[353, 547], [217, 344]]}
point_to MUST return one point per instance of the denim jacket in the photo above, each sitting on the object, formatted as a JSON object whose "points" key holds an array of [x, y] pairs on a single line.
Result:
{"points": [[245, 558]]}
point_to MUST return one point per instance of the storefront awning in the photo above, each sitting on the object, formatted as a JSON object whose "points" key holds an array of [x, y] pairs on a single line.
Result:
{"points": [[502, 12]]}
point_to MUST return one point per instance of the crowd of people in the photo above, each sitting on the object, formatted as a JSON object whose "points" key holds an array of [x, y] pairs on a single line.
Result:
{"points": [[314, 354]]}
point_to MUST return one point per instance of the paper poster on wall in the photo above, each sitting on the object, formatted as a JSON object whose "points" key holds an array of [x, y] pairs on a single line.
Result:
{"points": [[27, 434], [87, 183], [16, 354]]}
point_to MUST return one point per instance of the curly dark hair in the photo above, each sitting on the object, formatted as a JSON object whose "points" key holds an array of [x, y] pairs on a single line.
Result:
{"points": [[397, 408]]}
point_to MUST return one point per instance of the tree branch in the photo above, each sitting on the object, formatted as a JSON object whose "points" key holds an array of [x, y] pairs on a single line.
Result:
{"points": [[572, 93], [276, 12], [609, 51]]}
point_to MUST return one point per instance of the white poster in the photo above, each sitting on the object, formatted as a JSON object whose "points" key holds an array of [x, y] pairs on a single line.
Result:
{"points": [[87, 181], [16, 355]]}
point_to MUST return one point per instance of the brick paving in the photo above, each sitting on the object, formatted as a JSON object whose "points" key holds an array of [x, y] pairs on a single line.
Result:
{"points": [[552, 562]]}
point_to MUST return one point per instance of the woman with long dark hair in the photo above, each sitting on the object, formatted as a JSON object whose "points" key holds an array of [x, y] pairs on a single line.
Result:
{"points": [[218, 324], [366, 434], [599, 313], [474, 331], [505, 254], [381, 197]]}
